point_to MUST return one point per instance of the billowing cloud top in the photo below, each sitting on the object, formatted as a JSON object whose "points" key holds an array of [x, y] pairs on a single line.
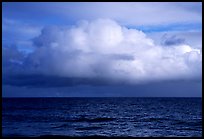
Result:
{"points": [[103, 49]]}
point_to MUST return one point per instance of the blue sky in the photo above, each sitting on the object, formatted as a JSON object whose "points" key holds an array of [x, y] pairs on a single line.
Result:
{"points": [[56, 49]]}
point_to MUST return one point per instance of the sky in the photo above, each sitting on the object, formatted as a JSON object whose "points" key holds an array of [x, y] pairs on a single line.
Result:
{"points": [[102, 49]]}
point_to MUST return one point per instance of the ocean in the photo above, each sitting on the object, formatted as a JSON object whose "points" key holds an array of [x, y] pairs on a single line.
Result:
{"points": [[110, 117]]}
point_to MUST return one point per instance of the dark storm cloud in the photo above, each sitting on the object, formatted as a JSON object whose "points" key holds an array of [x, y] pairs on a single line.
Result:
{"points": [[160, 89], [43, 81]]}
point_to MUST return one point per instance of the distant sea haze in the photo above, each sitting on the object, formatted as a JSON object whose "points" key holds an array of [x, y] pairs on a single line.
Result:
{"points": [[109, 117]]}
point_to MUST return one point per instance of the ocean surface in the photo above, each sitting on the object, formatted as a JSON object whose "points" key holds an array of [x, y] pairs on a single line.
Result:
{"points": [[120, 117]]}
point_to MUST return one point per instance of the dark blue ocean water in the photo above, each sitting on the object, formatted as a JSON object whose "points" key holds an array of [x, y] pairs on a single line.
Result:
{"points": [[135, 117]]}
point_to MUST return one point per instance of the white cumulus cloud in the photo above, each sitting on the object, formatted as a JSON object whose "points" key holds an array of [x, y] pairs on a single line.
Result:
{"points": [[104, 49]]}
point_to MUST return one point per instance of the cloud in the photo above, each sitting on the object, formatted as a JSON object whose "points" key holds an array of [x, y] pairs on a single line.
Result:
{"points": [[192, 38], [160, 89], [44, 81], [126, 13], [172, 40], [104, 50], [22, 28], [19, 33]]}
